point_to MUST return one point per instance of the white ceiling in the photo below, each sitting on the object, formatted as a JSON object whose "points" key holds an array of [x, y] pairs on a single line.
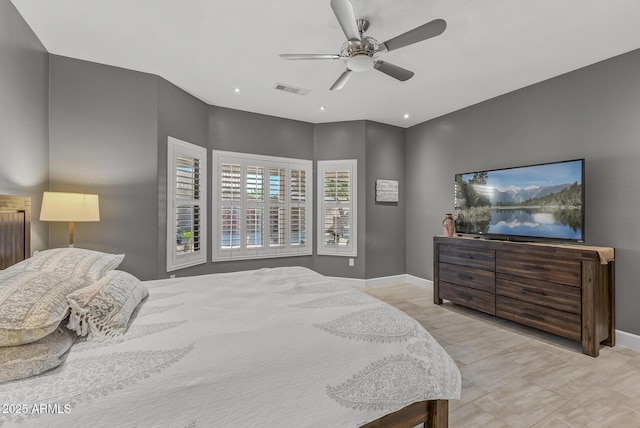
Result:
{"points": [[210, 47]]}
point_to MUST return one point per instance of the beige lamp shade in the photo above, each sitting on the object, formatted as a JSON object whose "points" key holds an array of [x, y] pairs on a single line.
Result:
{"points": [[71, 207], [58, 206]]}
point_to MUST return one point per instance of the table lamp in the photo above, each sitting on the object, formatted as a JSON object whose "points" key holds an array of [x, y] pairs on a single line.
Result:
{"points": [[71, 207]]}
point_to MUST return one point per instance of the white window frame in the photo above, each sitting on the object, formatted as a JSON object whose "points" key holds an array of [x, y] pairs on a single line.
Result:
{"points": [[175, 261], [349, 249], [243, 251]]}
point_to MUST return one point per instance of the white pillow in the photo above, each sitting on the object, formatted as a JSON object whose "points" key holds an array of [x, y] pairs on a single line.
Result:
{"points": [[72, 262], [103, 309], [33, 304], [18, 362]]}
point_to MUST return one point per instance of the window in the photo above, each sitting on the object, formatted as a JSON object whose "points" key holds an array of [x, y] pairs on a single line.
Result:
{"points": [[337, 224], [186, 204], [262, 206]]}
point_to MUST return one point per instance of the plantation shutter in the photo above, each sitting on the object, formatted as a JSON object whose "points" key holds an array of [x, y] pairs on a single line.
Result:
{"points": [[337, 208], [188, 209], [186, 204], [277, 207], [230, 206], [264, 210], [298, 207], [255, 203]]}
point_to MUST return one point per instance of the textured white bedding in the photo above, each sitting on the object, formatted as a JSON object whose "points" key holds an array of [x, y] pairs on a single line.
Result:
{"points": [[283, 347]]}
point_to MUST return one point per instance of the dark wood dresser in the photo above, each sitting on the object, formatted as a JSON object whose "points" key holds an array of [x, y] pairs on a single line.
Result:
{"points": [[563, 289]]}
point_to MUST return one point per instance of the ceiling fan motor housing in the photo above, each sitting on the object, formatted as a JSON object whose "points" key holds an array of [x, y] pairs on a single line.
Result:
{"points": [[360, 56]]}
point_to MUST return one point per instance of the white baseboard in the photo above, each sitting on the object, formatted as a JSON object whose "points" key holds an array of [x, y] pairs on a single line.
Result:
{"points": [[628, 340], [420, 282], [354, 282]]}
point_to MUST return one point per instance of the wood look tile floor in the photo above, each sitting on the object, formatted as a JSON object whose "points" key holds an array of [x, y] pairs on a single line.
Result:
{"points": [[514, 376]]}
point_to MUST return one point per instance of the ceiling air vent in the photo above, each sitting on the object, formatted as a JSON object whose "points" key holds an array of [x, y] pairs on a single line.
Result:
{"points": [[291, 89]]}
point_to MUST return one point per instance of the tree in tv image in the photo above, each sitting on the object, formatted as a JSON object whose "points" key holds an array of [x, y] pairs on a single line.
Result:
{"points": [[544, 201], [473, 207]]}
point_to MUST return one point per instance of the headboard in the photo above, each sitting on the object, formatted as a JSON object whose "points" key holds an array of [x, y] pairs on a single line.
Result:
{"points": [[15, 229]]}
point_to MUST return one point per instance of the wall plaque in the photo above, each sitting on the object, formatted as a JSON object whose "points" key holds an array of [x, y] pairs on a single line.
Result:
{"points": [[386, 190]]}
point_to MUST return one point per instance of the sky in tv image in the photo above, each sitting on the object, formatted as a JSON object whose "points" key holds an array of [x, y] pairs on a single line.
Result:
{"points": [[538, 176]]}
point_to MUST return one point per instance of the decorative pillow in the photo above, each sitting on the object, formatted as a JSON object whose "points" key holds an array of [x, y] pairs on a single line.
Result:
{"points": [[33, 304], [73, 262], [18, 266], [103, 309], [18, 362]]}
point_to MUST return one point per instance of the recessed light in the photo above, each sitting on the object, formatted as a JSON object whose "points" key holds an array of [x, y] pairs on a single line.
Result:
{"points": [[236, 90], [322, 108], [406, 115]]}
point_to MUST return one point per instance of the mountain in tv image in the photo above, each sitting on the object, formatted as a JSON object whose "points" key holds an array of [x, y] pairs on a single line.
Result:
{"points": [[514, 195]]}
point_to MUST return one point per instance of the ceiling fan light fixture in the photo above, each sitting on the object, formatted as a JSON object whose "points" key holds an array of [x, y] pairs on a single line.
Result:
{"points": [[360, 62], [360, 53]]}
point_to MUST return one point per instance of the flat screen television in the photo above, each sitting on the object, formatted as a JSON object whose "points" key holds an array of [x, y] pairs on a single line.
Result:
{"points": [[533, 202]]}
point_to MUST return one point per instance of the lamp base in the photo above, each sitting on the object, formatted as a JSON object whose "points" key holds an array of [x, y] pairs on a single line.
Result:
{"points": [[70, 234]]}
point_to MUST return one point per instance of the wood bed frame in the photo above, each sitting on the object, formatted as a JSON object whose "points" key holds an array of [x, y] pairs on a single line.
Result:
{"points": [[431, 413], [15, 238], [15, 229]]}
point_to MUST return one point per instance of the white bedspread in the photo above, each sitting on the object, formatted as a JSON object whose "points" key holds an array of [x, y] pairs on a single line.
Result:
{"points": [[282, 347]]}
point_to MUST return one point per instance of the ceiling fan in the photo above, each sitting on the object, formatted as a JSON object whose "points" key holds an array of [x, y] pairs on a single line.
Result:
{"points": [[360, 52]]}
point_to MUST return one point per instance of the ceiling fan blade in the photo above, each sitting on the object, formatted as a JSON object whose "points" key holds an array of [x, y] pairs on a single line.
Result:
{"points": [[344, 77], [309, 56], [393, 70], [347, 19], [418, 34]]}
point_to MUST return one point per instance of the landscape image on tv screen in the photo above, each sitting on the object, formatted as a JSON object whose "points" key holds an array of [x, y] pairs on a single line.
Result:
{"points": [[537, 201]]}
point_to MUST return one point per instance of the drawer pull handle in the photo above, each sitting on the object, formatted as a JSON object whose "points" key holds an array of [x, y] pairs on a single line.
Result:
{"points": [[533, 316]]}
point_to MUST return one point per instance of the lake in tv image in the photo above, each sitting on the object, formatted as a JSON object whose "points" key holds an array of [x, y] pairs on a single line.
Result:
{"points": [[544, 201]]}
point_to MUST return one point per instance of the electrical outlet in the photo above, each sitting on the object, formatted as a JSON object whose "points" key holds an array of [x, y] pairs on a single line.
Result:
{"points": [[352, 262], [172, 276]]}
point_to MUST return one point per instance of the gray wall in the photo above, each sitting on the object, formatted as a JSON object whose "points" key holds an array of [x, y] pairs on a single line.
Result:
{"points": [[24, 116], [385, 229], [108, 135], [379, 150], [334, 141], [104, 140], [245, 132], [592, 113], [182, 116]]}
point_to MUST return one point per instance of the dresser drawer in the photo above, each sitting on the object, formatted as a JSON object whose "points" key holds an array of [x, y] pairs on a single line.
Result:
{"points": [[467, 276], [464, 256], [470, 297], [558, 270], [548, 294], [562, 323]]}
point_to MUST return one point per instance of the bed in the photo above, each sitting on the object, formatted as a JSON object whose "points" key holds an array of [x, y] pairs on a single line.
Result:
{"points": [[279, 347]]}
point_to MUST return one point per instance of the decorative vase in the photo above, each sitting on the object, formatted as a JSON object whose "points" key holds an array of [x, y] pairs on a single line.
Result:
{"points": [[447, 225]]}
